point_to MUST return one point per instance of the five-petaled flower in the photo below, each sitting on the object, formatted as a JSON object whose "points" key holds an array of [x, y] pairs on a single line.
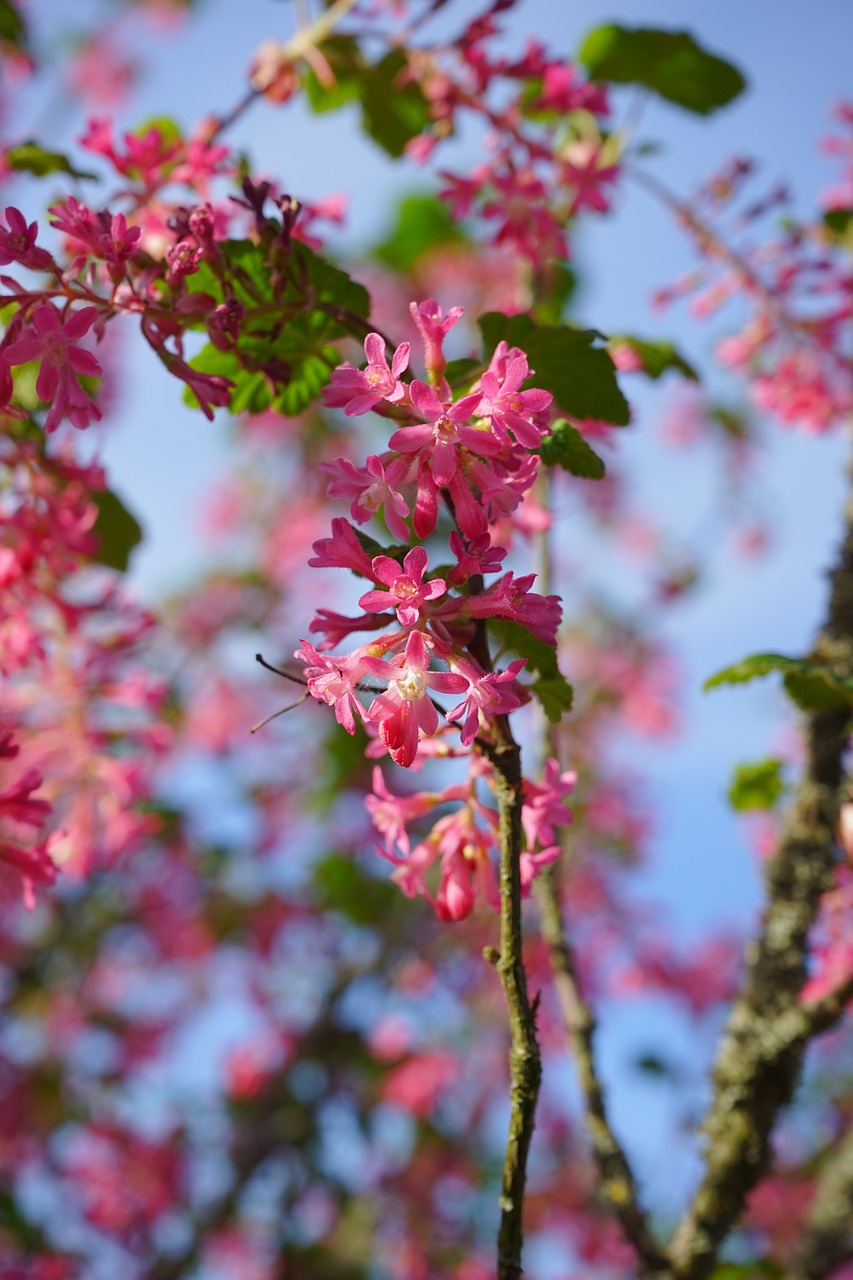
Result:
{"points": [[406, 589], [53, 340]]}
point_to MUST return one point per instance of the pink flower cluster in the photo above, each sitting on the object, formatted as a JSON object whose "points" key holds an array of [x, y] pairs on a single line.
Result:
{"points": [[459, 845], [81, 718], [473, 456], [23, 814], [474, 450]]}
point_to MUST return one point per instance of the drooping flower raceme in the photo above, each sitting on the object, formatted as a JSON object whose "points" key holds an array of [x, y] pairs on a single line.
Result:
{"points": [[428, 630]]}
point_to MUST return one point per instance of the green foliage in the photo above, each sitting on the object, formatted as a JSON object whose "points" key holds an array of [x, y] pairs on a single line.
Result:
{"points": [[566, 448], [422, 223], [658, 357], [554, 292], [344, 57], [393, 107], [461, 372], [565, 361], [839, 225], [552, 689], [811, 685], [344, 764], [758, 1270], [117, 530], [670, 63], [31, 157], [168, 129], [13, 30], [342, 886], [757, 786], [285, 354]]}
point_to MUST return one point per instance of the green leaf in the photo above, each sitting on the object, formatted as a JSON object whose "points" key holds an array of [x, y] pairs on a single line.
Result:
{"points": [[32, 157], [554, 291], [343, 886], [565, 361], [422, 223], [552, 689], [757, 786], [275, 364], [758, 1270], [459, 372], [811, 685], [555, 696], [839, 224], [344, 57], [168, 129], [657, 357], [13, 29], [394, 109], [117, 530], [670, 63], [566, 448]]}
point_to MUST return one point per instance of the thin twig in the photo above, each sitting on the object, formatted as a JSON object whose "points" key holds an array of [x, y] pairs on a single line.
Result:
{"points": [[618, 1187], [525, 1064]]}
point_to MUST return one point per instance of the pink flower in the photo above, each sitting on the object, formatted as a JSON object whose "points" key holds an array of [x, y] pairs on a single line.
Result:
{"points": [[101, 235], [337, 627], [211, 390], [342, 551], [433, 328], [476, 556], [492, 693], [562, 93], [544, 804], [18, 243], [372, 487], [357, 390], [405, 710], [54, 344], [443, 431], [406, 589], [512, 598], [509, 408], [333, 681], [583, 170]]}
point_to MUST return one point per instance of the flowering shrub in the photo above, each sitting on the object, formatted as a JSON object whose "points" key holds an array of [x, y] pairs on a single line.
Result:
{"points": [[234, 1042]]}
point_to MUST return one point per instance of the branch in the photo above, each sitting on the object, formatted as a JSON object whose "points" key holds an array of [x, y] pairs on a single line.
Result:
{"points": [[828, 1237], [761, 1054], [617, 1180], [525, 1066]]}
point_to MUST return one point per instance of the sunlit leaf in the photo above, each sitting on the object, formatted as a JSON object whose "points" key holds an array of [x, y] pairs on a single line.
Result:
{"points": [[670, 63]]}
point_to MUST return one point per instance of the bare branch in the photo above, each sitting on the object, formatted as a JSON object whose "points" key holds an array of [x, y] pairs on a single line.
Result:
{"points": [[618, 1188], [761, 1054]]}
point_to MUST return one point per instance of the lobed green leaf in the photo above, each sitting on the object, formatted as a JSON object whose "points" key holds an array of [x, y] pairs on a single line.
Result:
{"points": [[565, 361], [670, 63], [566, 448], [552, 689], [813, 686], [393, 107]]}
